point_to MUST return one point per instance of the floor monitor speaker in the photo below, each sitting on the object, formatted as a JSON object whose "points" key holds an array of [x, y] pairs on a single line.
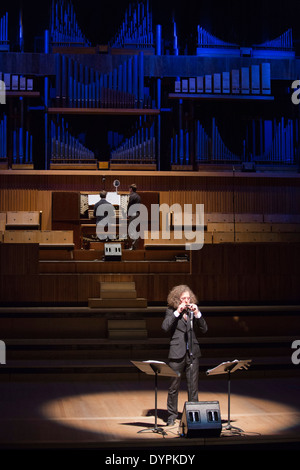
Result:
{"points": [[112, 251], [201, 419]]}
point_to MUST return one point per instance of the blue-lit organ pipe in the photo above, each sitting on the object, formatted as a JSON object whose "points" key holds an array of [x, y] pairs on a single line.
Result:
{"points": [[140, 147], [273, 141], [28, 148], [206, 148], [175, 39], [64, 78], [21, 37], [65, 147], [281, 148], [139, 71], [158, 52], [46, 102], [219, 150], [83, 87], [253, 80], [4, 29], [136, 29], [277, 142], [21, 154], [22, 147], [58, 77], [202, 143], [3, 138], [180, 148], [64, 28], [206, 39], [135, 78]]}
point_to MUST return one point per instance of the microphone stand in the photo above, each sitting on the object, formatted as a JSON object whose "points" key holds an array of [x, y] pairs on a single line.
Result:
{"points": [[191, 315]]}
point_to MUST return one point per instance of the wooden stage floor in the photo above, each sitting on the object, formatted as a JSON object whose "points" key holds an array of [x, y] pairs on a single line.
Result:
{"points": [[110, 415]]}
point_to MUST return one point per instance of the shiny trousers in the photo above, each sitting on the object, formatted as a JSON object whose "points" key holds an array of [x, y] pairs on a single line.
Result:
{"points": [[191, 368]]}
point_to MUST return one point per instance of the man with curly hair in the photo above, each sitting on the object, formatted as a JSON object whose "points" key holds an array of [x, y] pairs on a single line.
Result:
{"points": [[181, 320]]}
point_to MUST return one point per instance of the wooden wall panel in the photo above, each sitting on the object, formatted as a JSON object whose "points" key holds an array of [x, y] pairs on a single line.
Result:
{"points": [[253, 199], [72, 289], [221, 273], [271, 200], [19, 259], [19, 289], [28, 200], [219, 192]]}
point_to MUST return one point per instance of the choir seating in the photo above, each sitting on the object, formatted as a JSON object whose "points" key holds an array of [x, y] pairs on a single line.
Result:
{"points": [[45, 238], [253, 228], [227, 228], [26, 227], [23, 219]]}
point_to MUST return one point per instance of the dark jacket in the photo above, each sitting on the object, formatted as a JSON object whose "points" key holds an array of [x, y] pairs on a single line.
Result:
{"points": [[104, 212], [180, 331], [134, 198]]}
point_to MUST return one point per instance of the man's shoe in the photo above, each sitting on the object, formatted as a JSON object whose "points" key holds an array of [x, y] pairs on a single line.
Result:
{"points": [[171, 422]]}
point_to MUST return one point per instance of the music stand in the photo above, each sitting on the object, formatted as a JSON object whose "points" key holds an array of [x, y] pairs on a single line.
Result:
{"points": [[155, 368], [228, 368]]}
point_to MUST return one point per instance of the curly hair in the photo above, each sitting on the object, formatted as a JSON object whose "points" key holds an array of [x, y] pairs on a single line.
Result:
{"points": [[173, 299]]}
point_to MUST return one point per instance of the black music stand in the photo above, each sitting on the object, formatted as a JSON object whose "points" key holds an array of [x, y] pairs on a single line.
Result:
{"points": [[228, 368], [155, 368]]}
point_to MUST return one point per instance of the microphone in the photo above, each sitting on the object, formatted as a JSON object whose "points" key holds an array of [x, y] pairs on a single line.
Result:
{"points": [[190, 313]]}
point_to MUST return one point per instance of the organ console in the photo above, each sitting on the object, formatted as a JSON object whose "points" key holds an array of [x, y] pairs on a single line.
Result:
{"points": [[88, 222], [74, 211]]}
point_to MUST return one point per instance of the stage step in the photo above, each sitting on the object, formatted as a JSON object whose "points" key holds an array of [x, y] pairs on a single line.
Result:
{"points": [[65, 370], [118, 286], [117, 295], [117, 303], [71, 266], [143, 348], [123, 328], [210, 346], [118, 290], [61, 322], [127, 329], [66, 341], [127, 333]]}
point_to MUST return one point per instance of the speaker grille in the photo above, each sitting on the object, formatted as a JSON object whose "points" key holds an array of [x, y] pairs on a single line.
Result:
{"points": [[201, 419]]}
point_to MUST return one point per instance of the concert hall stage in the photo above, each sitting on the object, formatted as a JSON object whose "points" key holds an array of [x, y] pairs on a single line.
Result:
{"points": [[64, 388], [69, 383], [207, 131], [109, 416]]}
